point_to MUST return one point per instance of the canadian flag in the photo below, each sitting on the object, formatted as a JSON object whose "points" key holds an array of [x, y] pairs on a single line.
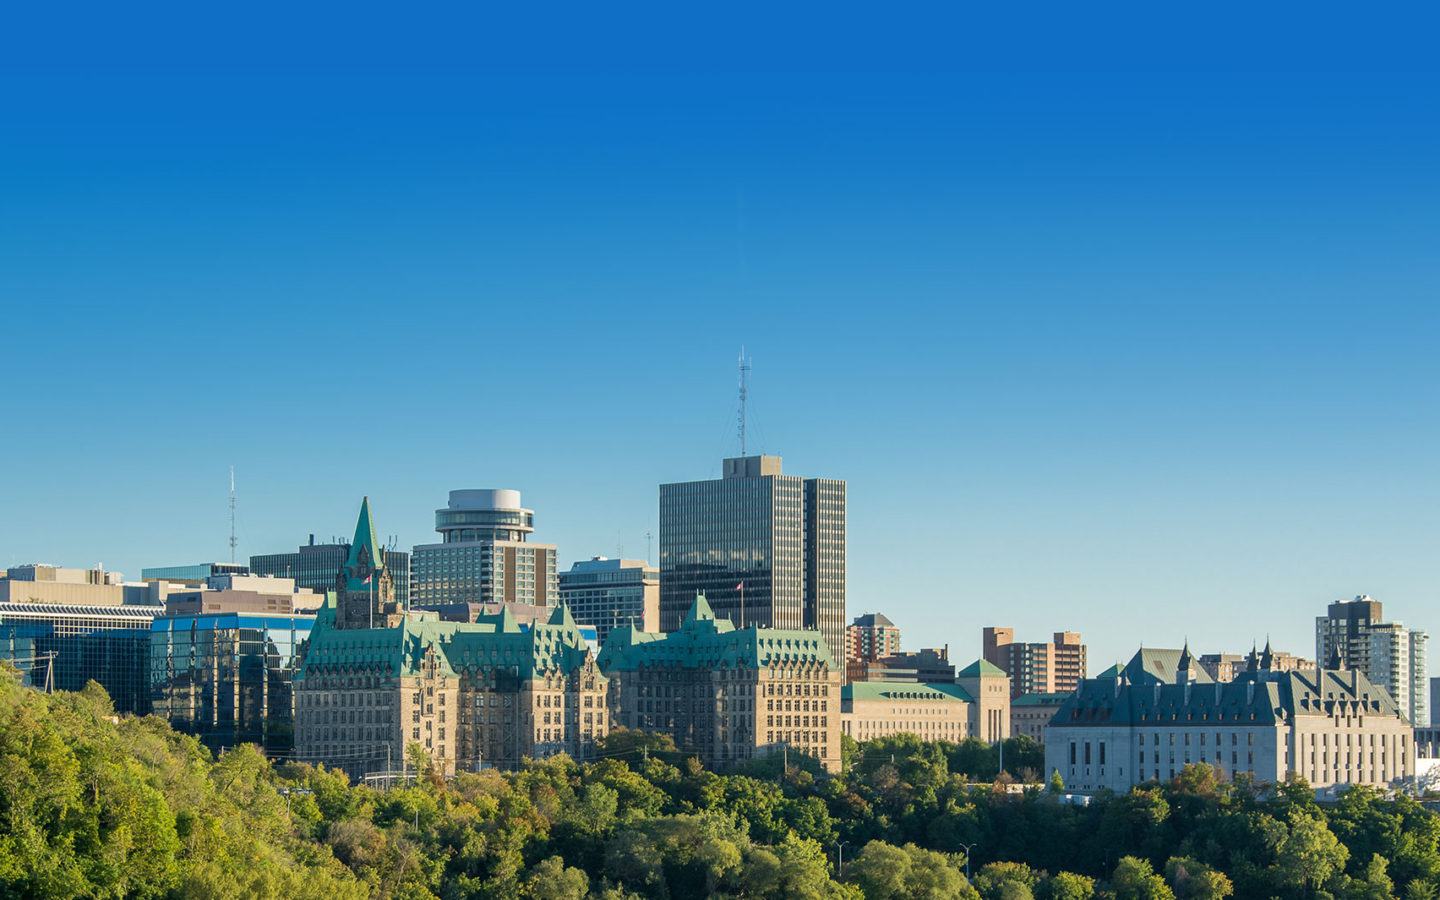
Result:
{"points": [[740, 586], [367, 578]]}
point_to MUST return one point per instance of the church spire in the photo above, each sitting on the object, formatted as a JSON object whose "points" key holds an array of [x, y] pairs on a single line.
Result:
{"points": [[365, 549]]}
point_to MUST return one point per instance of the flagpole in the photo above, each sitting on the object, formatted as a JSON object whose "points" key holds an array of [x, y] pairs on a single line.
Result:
{"points": [[370, 582], [742, 606]]}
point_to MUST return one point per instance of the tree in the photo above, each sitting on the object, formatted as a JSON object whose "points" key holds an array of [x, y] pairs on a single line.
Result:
{"points": [[1069, 886], [1192, 879], [1310, 855], [1057, 784], [884, 871], [551, 879], [1006, 881], [1135, 879]]}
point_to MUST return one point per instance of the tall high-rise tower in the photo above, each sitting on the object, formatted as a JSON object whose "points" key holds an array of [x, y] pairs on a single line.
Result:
{"points": [[485, 556], [764, 547], [364, 589]]}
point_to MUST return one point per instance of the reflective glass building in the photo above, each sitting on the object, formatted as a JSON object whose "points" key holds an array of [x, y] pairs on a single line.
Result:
{"points": [[227, 678], [764, 548]]}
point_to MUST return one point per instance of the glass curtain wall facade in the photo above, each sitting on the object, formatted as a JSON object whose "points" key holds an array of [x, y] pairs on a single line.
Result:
{"points": [[227, 678], [777, 539]]}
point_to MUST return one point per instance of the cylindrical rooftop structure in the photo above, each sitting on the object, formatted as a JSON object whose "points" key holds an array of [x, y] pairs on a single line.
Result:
{"points": [[484, 514]]}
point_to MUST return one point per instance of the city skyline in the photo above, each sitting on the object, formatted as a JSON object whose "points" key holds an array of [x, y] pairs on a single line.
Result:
{"points": [[1102, 324]]}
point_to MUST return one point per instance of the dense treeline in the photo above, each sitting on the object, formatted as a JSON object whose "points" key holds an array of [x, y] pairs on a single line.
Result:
{"points": [[92, 805]]}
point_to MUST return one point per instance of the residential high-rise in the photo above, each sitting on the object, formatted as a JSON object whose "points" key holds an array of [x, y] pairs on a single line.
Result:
{"points": [[726, 693], [314, 566], [871, 637], [765, 548], [1057, 666], [485, 555], [1354, 633], [1342, 635], [608, 593]]}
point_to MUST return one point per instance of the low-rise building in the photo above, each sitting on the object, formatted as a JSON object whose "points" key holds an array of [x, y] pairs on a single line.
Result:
{"points": [[923, 666], [727, 694], [1225, 666], [1331, 726], [1030, 713], [976, 704]]}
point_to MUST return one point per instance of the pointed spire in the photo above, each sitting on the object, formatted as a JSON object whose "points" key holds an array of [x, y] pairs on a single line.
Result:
{"points": [[1252, 662], [1185, 665], [365, 540], [1267, 658]]}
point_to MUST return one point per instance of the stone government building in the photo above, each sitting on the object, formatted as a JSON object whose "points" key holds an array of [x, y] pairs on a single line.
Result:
{"points": [[724, 693], [1145, 721], [378, 678]]}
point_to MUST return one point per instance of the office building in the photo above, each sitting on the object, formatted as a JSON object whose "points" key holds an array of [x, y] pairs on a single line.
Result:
{"points": [[765, 548], [607, 593], [194, 575], [870, 637], [227, 677], [1030, 713], [724, 693], [485, 555], [1055, 667], [1435, 701], [241, 593], [976, 704], [377, 679], [1331, 726], [37, 583], [314, 567]]}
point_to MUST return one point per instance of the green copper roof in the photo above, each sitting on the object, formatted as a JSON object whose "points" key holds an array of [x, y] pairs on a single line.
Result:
{"points": [[1041, 698], [1259, 698], [889, 690], [1112, 672], [703, 641], [1154, 664], [981, 669], [364, 540], [495, 641]]}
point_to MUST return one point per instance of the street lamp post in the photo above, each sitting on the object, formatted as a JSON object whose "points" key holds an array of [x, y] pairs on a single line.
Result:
{"points": [[840, 857], [967, 857]]}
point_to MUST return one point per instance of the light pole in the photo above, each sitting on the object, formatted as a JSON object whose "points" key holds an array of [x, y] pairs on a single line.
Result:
{"points": [[967, 857], [289, 792], [840, 860]]}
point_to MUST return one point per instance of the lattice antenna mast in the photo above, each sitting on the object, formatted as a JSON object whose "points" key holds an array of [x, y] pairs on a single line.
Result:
{"points": [[744, 395], [233, 542]]}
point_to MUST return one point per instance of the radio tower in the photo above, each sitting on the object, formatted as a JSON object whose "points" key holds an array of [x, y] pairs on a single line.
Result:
{"points": [[232, 514], [744, 393]]}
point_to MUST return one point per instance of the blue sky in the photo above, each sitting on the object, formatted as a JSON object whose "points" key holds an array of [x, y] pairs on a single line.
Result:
{"points": [[1123, 325]]}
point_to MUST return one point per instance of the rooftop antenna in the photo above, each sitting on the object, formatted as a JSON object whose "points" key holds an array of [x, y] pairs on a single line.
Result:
{"points": [[744, 394], [233, 542]]}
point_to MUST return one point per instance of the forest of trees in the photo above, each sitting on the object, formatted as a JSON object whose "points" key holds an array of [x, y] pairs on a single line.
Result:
{"points": [[95, 806]]}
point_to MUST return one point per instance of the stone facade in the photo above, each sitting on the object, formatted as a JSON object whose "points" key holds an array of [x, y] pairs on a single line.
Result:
{"points": [[1332, 727], [976, 705], [1030, 713], [727, 694], [468, 694]]}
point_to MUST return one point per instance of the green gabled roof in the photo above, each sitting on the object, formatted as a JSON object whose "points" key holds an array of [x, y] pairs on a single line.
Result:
{"points": [[981, 668], [1041, 698], [1112, 672], [1159, 664], [890, 690], [492, 641], [704, 641]]}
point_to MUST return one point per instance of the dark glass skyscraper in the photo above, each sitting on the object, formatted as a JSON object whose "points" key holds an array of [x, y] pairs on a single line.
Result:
{"points": [[764, 547], [315, 566]]}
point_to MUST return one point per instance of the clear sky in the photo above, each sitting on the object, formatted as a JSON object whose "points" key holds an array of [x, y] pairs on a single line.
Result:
{"points": [[1126, 326]]}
